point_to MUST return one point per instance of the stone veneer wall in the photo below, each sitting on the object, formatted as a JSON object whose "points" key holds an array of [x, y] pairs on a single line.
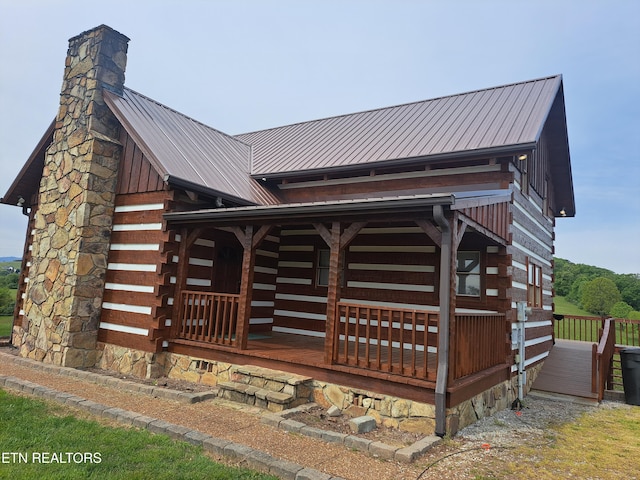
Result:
{"points": [[388, 410], [72, 223]]}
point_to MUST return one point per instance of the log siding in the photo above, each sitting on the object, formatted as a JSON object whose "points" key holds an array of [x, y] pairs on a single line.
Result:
{"points": [[136, 301], [532, 243]]}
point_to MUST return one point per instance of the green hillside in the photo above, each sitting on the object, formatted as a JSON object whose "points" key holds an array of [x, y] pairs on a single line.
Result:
{"points": [[565, 307]]}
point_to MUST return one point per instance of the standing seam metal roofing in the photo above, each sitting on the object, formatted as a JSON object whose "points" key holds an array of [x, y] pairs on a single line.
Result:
{"points": [[507, 116], [182, 148]]}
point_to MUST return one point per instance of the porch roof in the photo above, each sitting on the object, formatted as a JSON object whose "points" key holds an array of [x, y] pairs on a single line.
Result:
{"points": [[27, 181], [337, 209]]}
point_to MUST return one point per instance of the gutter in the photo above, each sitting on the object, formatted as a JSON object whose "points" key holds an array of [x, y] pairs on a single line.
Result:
{"points": [[504, 150], [443, 327], [296, 211], [209, 192]]}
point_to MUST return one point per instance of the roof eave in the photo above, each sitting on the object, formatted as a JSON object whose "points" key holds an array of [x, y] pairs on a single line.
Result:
{"points": [[308, 211], [12, 195], [209, 192], [395, 162]]}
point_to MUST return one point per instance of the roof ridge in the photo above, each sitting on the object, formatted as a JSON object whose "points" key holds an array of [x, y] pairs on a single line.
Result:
{"points": [[232, 137], [550, 77]]}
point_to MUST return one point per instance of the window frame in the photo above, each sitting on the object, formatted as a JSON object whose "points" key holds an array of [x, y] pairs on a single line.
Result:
{"points": [[468, 274], [321, 268], [534, 284]]}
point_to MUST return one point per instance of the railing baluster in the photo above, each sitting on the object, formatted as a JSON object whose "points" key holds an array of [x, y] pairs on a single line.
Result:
{"points": [[229, 323], [211, 319], [401, 339], [367, 348], [413, 343], [356, 336], [379, 339], [425, 360], [346, 334], [390, 341]]}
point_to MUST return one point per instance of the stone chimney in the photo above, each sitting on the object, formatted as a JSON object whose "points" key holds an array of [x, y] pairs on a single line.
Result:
{"points": [[75, 208]]}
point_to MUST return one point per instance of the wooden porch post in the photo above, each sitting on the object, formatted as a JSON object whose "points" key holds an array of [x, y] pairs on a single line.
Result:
{"points": [[333, 293], [337, 242], [246, 287], [457, 232], [186, 241], [249, 243]]}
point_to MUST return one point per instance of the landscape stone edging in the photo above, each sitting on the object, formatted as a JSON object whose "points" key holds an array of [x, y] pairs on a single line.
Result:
{"points": [[378, 449], [122, 384], [254, 459]]}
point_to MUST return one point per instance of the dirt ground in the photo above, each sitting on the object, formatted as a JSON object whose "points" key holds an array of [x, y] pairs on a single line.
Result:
{"points": [[473, 453]]}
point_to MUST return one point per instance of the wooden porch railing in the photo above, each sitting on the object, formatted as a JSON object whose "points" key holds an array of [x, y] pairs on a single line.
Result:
{"points": [[208, 317], [479, 342], [602, 359], [405, 342], [575, 327], [627, 332], [399, 341]]}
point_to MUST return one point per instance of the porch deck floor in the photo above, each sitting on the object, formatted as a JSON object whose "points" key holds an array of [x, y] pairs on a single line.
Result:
{"points": [[309, 351], [567, 370], [288, 348]]}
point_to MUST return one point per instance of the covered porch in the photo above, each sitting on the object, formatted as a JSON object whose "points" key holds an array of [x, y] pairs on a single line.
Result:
{"points": [[361, 337]]}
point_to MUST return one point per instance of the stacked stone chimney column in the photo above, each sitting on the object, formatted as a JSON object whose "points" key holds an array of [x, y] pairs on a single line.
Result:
{"points": [[75, 208]]}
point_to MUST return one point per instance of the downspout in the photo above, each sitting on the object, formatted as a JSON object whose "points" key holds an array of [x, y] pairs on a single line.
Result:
{"points": [[443, 327], [27, 213]]}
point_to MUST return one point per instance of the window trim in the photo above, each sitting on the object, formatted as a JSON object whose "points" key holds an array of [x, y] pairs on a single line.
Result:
{"points": [[321, 268], [468, 274], [534, 285]]}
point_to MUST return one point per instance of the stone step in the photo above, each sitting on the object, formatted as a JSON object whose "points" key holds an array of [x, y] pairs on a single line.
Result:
{"points": [[296, 386], [260, 397]]}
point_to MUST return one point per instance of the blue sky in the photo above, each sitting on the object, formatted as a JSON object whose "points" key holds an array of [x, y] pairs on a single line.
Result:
{"points": [[241, 66]]}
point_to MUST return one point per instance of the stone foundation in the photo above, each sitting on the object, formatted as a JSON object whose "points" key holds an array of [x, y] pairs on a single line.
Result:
{"points": [[127, 361], [388, 410], [500, 397]]}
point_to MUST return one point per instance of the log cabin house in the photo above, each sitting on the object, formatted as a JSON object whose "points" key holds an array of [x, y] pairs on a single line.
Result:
{"points": [[382, 251]]}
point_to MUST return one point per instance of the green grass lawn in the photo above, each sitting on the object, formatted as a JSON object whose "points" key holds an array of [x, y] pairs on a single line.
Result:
{"points": [[5, 326], [36, 431]]}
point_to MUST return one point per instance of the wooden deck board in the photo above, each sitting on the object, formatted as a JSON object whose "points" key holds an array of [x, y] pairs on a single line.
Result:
{"points": [[567, 370]]}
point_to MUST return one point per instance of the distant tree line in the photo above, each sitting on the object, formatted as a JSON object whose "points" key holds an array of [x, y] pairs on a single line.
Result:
{"points": [[8, 285], [598, 290]]}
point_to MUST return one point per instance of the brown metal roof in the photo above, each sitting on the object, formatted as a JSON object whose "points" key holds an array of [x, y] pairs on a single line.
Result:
{"points": [[507, 117], [186, 152], [191, 155]]}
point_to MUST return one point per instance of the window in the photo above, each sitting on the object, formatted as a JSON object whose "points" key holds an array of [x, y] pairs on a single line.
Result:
{"points": [[534, 285], [322, 269], [468, 274]]}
